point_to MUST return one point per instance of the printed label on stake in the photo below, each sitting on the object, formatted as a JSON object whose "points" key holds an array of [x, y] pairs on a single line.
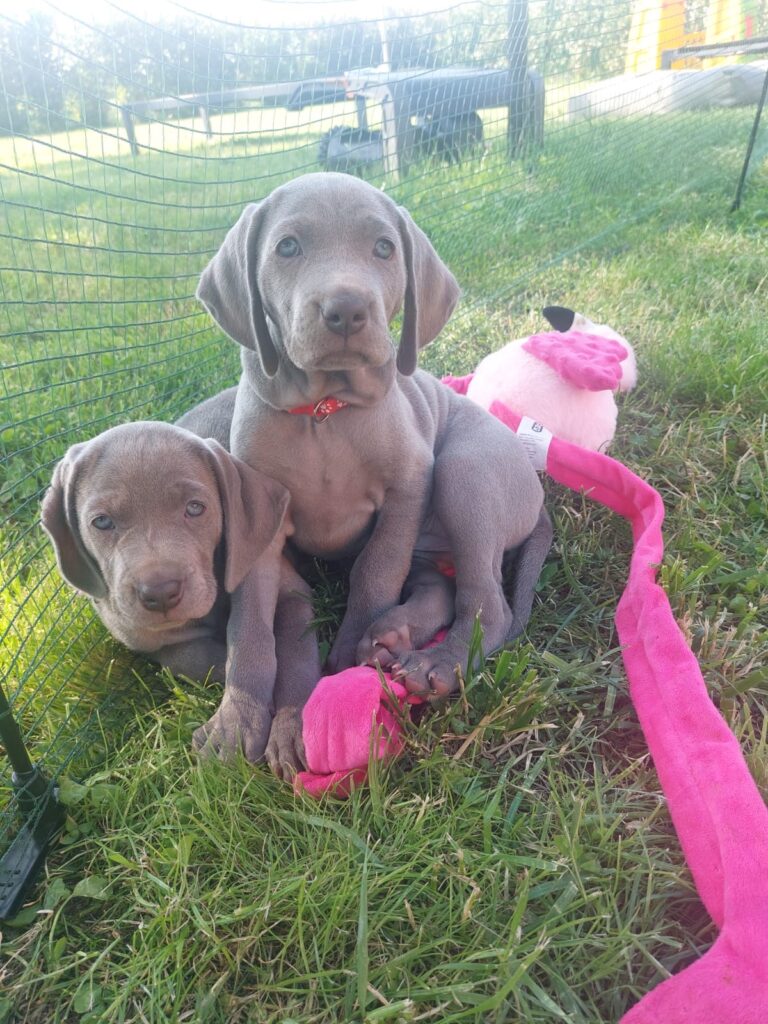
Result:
{"points": [[536, 439]]}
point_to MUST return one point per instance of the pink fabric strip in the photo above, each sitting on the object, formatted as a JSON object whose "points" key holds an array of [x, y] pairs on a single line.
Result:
{"points": [[718, 812]]}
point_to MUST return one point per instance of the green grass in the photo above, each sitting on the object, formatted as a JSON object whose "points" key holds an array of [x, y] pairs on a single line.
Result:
{"points": [[518, 863]]}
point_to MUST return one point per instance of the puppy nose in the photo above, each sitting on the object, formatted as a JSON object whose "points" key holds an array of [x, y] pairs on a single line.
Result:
{"points": [[344, 314], [160, 595]]}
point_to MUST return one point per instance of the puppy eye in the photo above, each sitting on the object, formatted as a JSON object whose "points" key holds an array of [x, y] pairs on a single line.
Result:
{"points": [[383, 248], [103, 523], [195, 508], [288, 247]]}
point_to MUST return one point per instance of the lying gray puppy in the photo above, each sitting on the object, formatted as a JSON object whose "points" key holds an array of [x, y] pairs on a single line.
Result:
{"points": [[171, 537], [382, 461]]}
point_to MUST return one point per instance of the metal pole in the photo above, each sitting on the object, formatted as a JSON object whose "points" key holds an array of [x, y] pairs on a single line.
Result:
{"points": [[127, 117], [386, 61], [362, 112], [13, 741], [38, 800], [750, 145], [517, 61], [205, 117]]}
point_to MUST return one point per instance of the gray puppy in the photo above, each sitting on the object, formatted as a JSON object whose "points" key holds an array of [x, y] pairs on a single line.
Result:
{"points": [[166, 532], [382, 461]]}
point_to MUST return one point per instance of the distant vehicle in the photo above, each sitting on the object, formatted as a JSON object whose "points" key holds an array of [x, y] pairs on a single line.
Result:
{"points": [[448, 138]]}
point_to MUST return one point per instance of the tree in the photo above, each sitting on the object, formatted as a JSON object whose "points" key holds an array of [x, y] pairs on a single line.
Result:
{"points": [[32, 97]]}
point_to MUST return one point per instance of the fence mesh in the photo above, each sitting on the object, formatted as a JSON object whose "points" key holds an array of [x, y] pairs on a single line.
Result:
{"points": [[129, 145]]}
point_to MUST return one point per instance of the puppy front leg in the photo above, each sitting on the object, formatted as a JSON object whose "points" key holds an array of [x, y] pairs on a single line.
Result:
{"points": [[380, 570], [244, 717], [298, 670], [429, 605]]}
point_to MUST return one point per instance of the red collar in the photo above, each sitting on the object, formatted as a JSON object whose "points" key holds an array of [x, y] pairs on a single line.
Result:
{"points": [[320, 410]]}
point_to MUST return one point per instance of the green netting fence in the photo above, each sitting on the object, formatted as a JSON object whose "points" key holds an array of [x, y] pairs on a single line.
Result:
{"points": [[129, 146]]}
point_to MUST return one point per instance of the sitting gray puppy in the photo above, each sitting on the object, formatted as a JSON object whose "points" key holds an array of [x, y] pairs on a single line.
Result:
{"points": [[165, 531], [384, 464]]}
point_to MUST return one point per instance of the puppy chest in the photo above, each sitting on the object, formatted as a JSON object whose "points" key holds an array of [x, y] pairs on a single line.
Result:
{"points": [[333, 512], [334, 499], [338, 473]]}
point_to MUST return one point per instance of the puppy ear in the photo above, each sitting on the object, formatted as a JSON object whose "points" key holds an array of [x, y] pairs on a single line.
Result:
{"points": [[254, 508], [59, 519], [229, 288], [431, 294]]}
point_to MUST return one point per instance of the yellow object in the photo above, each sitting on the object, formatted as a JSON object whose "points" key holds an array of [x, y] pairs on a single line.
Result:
{"points": [[659, 25], [725, 22]]}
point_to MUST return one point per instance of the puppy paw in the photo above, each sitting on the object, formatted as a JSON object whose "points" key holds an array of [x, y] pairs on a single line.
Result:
{"points": [[238, 724], [285, 748], [432, 673], [388, 639]]}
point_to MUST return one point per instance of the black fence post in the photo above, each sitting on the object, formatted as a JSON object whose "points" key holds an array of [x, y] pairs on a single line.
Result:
{"points": [[750, 145], [517, 61]]}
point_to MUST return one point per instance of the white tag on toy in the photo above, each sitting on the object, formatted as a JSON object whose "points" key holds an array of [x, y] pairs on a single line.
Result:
{"points": [[536, 439]]}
